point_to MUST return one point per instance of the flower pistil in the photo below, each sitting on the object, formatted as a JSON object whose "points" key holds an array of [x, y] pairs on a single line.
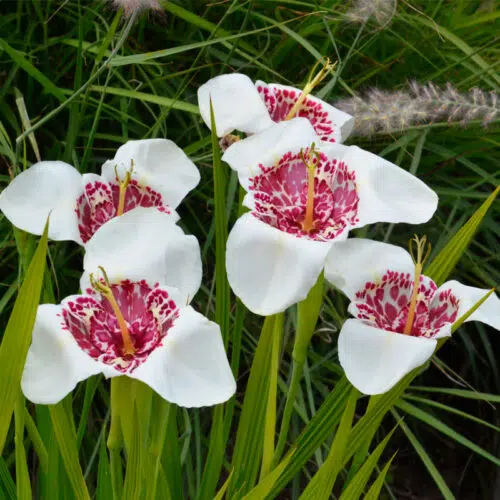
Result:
{"points": [[419, 261], [104, 288], [123, 184]]}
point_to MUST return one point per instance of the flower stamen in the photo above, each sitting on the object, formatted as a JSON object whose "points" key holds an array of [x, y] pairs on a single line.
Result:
{"points": [[309, 162], [106, 291], [419, 261], [311, 84], [123, 187]]}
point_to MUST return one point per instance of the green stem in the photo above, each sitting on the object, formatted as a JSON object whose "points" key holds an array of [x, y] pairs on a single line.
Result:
{"points": [[270, 421], [307, 316], [158, 441]]}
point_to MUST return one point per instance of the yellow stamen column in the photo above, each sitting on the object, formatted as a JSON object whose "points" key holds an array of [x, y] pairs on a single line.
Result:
{"points": [[105, 290], [123, 188], [419, 261]]}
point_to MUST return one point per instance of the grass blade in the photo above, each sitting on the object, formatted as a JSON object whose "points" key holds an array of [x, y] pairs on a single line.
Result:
{"points": [[66, 439], [17, 336], [429, 464]]}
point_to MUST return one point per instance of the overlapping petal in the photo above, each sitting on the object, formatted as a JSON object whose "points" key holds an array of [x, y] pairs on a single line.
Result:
{"points": [[236, 104], [330, 124], [352, 263], [46, 188], [270, 269], [268, 147], [191, 368], [145, 244], [387, 193], [55, 363], [157, 163], [374, 360], [488, 312]]}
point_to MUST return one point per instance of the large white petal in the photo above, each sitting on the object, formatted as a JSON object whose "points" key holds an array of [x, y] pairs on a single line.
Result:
{"points": [[375, 360], [236, 104], [387, 193], [55, 362], [488, 312], [191, 368], [343, 123], [351, 264], [269, 146], [268, 269], [145, 244], [48, 187], [159, 164]]}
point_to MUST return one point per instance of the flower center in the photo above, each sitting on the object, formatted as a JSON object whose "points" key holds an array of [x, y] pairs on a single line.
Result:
{"points": [[120, 324], [387, 303], [307, 195], [101, 201]]}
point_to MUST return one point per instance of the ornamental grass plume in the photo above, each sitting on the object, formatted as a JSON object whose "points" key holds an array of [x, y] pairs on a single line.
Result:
{"points": [[381, 10], [384, 112], [131, 6]]}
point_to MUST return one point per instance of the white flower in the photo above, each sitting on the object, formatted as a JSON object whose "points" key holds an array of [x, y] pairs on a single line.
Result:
{"points": [[303, 199], [239, 104], [378, 278], [133, 320], [146, 173]]}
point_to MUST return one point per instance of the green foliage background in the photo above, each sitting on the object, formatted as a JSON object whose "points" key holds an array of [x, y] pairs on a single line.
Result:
{"points": [[49, 49]]}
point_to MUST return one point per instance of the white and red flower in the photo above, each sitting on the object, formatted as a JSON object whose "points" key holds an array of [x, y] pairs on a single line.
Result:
{"points": [[146, 173], [378, 278], [132, 319], [240, 104], [305, 195]]}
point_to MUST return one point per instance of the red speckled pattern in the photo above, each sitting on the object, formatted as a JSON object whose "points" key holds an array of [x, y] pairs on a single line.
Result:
{"points": [[279, 102], [385, 304], [280, 194], [99, 203], [148, 311]]}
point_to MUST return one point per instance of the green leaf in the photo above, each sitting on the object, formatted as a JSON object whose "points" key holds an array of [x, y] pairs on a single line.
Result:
{"points": [[266, 484], [270, 419], [132, 485], [222, 491], [323, 481], [444, 263], [427, 461], [65, 434], [357, 485], [35, 73], [317, 430], [446, 430], [375, 489], [145, 97], [23, 483], [6, 481], [249, 437], [104, 489], [17, 336]]}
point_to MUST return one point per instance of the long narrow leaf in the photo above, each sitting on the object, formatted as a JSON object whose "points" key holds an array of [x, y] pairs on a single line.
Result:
{"points": [[17, 336], [444, 263], [250, 434], [66, 439], [323, 481], [375, 489], [355, 488], [426, 459]]}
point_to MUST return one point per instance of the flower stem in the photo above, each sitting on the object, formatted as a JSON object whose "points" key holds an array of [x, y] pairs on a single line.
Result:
{"points": [[308, 312], [270, 421]]}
